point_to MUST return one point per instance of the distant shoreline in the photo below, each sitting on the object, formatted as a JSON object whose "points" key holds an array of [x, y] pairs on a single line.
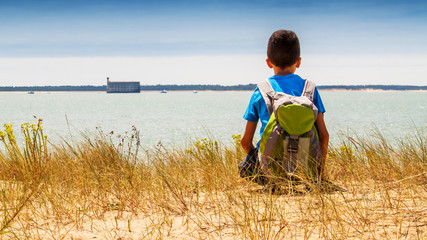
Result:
{"points": [[369, 90], [200, 88], [206, 91]]}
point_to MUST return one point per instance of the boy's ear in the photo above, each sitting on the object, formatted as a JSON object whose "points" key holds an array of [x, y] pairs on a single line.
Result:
{"points": [[298, 63], [269, 64]]}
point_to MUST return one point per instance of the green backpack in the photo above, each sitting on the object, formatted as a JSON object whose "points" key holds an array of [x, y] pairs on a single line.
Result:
{"points": [[289, 147]]}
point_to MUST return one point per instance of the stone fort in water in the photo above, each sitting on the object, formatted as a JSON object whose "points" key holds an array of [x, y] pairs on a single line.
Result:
{"points": [[123, 87]]}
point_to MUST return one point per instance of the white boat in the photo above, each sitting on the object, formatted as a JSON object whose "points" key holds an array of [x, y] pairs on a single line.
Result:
{"points": [[163, 91], [194, 91], [31, 92]]}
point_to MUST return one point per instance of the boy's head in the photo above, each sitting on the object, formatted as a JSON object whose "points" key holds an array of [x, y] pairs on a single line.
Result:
{"points": [[283, 48]]}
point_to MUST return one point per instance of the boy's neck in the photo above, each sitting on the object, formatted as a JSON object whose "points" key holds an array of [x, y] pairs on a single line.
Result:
{"points": [[284, 71]]}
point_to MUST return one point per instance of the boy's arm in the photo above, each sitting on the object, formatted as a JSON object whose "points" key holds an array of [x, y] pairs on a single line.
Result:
{"points": [[248, 136], [324, 141]]}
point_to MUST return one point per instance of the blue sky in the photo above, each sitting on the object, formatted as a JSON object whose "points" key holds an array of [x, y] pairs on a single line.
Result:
{"points": [[82, 42]]}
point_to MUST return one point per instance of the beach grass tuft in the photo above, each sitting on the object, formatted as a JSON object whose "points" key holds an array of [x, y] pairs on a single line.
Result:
{"points": [[109, 187]]}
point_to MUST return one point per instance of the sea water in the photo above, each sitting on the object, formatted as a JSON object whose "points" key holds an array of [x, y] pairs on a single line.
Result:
{"points": [[175, 118]]}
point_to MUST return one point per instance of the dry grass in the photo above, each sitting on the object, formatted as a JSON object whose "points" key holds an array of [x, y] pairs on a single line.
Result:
{"points": [[106, 188]]}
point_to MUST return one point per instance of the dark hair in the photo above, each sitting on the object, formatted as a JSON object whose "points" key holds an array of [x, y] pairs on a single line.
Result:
{"points": [[283, 48]]}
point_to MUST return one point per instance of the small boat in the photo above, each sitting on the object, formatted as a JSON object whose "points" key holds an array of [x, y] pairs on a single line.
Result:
{"points": [[31, 92], [163, 91], [194, 91]]}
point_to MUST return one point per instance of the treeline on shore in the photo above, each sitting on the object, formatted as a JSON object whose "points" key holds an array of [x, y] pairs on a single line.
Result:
{"points": [[160, 87], [194, 87], [376, 87]]}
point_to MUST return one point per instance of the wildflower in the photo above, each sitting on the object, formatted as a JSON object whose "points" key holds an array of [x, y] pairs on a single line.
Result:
{"points": [[9, 129], [189, 151], [39, 122], [346, 150], [237, 139]]}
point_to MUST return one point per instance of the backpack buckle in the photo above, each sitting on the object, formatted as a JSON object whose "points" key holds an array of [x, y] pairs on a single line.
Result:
{"points": [[293, 144]]}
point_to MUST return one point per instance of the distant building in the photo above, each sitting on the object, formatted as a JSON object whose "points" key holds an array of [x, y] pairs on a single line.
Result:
{"points": [[123, 87]]}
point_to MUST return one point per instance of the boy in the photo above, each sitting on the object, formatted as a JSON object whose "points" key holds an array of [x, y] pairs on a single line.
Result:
{"points": [[283, 56]]}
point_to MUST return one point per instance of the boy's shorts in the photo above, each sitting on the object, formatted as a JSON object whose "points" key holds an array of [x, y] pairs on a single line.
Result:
{"points": [[250, 169]]}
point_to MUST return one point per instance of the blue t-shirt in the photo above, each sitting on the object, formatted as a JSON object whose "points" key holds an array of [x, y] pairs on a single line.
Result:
{"points": [[291, 84]]}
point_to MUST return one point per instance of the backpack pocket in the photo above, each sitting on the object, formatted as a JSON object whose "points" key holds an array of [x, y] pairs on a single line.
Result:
{"points": [[295, 119]]}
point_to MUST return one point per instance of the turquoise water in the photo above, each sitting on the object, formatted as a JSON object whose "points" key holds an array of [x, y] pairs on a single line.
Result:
{"points": [[176, 117]]}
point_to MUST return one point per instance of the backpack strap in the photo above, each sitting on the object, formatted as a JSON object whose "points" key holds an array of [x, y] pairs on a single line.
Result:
{"points": [[267, 93], [309, 89], [291, 164]]}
